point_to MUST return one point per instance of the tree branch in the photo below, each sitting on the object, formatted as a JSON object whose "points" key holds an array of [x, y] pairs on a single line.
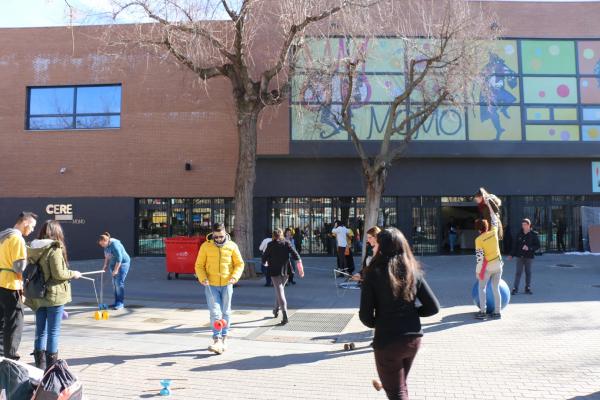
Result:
{"points": [[203, 73]]}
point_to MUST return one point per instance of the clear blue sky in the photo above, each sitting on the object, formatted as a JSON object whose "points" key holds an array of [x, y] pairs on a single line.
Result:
{"points": [[30, 13]]}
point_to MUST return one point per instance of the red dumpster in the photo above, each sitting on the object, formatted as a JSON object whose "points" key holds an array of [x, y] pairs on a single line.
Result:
{"points": [[181, 254]]}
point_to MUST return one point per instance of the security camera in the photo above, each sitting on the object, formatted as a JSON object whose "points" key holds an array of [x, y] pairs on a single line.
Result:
{"points": [[62, 170]]}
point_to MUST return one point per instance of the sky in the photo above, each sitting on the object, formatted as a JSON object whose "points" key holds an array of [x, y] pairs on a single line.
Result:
{"points": [[35, 13]]}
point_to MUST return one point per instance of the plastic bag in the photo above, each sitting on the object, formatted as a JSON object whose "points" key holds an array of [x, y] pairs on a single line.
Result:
{"points": [[59, 383]]}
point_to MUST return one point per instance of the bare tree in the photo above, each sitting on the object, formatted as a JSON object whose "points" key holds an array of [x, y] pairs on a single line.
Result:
{"points": [[252, 43], [442, 44]]}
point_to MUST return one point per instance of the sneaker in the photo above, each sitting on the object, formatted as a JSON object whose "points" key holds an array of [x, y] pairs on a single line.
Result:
{"points": [[224, 343], [528, 291], [118, 307], [514, 291], [481, 315], [496, 316], [216, 347], [275, 312]]}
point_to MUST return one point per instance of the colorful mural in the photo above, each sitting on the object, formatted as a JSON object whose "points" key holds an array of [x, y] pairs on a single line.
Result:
{"points": [[535, 90]]}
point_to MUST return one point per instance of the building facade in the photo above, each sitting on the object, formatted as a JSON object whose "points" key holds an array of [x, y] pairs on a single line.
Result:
{"points": [[136, 146]]}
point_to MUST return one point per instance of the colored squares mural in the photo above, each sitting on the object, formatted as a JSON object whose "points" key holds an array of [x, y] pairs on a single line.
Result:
{"points": [[590, 133], [533, 90], [548, 57], [554, 133], [494, 123], [550, 90], [446, 123], [589, 57]]}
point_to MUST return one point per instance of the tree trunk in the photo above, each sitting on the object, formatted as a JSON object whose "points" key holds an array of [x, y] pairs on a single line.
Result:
{"points": [[244, 185], [375, 185]]}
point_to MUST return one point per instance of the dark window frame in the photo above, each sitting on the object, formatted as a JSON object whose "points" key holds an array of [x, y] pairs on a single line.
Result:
{"points": [[74, 115]]}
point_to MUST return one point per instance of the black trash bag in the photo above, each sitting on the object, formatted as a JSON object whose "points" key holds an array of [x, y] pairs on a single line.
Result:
{"points": [[14, 381], [59, 383]]}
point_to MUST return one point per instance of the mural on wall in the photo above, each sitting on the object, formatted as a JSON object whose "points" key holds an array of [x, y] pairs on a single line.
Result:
{"points": [[535, 90]]}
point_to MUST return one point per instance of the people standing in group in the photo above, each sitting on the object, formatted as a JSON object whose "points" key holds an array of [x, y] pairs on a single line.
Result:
{"points": [[278, 255], [289, 236], [50, 253], [263, 267], [489, 262], [13, 260], [371, 250], [392, 284], [341, 236], [524, 249], [219, 266], [117, 261]]}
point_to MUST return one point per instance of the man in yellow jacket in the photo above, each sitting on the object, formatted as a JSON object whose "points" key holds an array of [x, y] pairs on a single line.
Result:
{"points": [[219, 266], [13, 260]]}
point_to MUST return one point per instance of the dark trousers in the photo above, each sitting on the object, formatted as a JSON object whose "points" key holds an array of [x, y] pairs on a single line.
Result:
{"points": [[393, 364], [523, 264], [11, 322], [341, 259]]}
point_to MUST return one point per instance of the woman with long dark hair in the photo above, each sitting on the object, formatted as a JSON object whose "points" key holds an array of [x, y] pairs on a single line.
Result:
{"points": [[50, 253], [392, 284], [277, 257]]}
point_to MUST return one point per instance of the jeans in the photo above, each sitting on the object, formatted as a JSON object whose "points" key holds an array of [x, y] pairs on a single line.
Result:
{"points": [[47, 328], [218, 300], [119, 284], [523, 263], [452, 241], [341, 258], [493, 271], [11, 322], [393, 365]]}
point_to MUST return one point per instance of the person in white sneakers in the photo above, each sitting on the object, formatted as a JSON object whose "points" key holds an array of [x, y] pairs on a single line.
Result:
{"points": [[219, 266]]}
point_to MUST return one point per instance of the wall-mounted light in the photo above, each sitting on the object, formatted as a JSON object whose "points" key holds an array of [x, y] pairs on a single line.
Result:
{"points": [[188, 166], [62, 170]]}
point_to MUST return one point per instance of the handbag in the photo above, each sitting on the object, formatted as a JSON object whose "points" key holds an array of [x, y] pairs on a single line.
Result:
{"points": [[34, 283]]}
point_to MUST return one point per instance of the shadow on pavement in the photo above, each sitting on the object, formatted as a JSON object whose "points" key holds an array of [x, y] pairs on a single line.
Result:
{"points": [[115, 359], [452, 321], [587, 397], [281, 361]]}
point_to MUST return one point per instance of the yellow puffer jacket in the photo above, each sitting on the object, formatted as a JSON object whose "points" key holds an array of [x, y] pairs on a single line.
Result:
{"points": [[219, 264]]}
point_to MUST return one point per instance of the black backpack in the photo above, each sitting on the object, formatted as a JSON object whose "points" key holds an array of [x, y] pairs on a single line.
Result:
{"points": [[34, 283], [59, 383]]}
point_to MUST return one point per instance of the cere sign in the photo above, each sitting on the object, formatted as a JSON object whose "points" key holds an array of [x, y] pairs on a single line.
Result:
{"points": [[539, 91]]}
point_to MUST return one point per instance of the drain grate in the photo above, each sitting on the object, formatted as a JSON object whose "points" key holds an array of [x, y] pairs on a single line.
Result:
{"points": [[316, 322]]}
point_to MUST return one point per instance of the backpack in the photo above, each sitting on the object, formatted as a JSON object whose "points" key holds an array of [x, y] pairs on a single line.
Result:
{"points": [[34, 283], [59, 383]]}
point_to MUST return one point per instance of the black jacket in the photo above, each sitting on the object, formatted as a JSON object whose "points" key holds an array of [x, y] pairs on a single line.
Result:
{"points": [[277, 255], [392, 317], [530, 240]]}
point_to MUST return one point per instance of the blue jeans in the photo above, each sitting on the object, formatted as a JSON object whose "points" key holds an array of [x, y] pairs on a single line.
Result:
{"points": [[218, 300], [47, 328], [119, 284], [452, 240]]}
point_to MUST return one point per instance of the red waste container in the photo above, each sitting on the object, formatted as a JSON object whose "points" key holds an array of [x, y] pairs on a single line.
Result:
{"points": [[181, 254]]}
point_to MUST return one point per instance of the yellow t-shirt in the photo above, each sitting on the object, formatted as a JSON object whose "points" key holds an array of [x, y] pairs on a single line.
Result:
{"points": [[488, 242], [11, 250]]}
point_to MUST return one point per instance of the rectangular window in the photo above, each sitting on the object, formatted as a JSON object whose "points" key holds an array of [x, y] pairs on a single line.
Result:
{"points": [[74, 107]]}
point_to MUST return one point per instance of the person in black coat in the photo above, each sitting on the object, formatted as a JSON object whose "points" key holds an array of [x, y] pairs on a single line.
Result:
{"points": [[525, 247], [392, 284], [277, 260]]}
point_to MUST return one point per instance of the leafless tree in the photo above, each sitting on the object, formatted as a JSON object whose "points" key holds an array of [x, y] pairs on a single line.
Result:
{"points": [[443, 46], [252, 43]]}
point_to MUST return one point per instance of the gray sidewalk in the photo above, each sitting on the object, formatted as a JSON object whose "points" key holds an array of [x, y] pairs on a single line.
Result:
{"points": [[547, 346]]}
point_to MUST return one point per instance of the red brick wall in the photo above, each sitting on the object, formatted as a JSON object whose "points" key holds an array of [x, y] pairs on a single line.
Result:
{"points": [[168, 118]]}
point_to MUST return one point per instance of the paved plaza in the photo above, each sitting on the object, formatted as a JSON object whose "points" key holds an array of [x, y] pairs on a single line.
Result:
{"points": [[547, 345]]}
